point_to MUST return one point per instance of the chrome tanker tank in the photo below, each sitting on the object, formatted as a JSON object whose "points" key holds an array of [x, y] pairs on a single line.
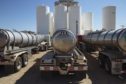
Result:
{"points": [[21, 39], [63, 41], [115, 38]]}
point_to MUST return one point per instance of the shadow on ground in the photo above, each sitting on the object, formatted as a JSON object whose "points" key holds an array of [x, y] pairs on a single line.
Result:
{"points": [[99, 75], [6, 71], [95, 75], [34, 76]]}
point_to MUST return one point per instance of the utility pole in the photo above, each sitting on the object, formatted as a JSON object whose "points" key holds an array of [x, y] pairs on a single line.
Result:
{"points": [[76, 28]]}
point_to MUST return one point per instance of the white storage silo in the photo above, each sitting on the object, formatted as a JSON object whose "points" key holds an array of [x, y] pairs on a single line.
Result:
{"points": [[109, 18], [51, 28], [81, 32], [74, 19], [87, 22], [60, 17], [43, 19]]}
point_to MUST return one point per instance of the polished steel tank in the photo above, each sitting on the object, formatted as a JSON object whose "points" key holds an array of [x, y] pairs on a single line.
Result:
{"points": [[63, 41], [115, 38], [20, 39]]}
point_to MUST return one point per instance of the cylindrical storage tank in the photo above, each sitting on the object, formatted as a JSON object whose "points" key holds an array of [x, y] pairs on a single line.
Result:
{"points": [[25, 39], [109, 18], [108, 37], [30, 39], [87, 22], [119, 39], [63, 41], [10, 36], [94, 37], [51, 22], [74, 19], [87, 38], [60, 17], [20, 39], [115, 38], [17, 38], [14, 38], [3, 38], [43, 19], [102, 37], [40, 38], [34, 39]]}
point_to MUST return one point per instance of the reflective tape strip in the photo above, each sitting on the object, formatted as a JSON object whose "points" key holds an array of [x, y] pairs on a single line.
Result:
{"points": [[85, 68], [78, 68], [42, 68], [47, 68], [51, 68], [75, 68]]}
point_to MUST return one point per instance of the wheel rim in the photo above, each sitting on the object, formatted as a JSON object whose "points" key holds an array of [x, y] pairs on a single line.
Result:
{"points": [[19, 64], [100, 63], [26, 61], [106, 67]]}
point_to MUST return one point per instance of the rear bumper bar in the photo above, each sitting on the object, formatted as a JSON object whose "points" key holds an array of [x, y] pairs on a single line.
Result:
{"points": [[57, 68]]}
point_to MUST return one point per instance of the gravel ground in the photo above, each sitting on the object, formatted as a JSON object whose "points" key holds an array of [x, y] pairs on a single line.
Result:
{"points": [[31, 75]]}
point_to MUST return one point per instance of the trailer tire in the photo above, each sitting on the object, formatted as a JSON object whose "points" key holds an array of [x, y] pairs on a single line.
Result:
{"points": [[24, 60], [45, 48], [107, 65], [18, 64], [101, 61], [35, 51]]}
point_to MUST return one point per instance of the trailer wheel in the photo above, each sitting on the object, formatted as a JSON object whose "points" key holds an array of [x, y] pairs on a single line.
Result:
{"points": [[44, 47], [107, 65], [24, 60], [101, 61], [18, 64], [35, 51]]}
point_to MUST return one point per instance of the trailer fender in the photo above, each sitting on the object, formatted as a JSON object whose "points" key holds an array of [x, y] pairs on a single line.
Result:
{"points": [[19, 54]]}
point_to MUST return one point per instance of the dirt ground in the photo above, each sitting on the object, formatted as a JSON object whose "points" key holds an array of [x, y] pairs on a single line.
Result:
{"points": [[31, 74]]}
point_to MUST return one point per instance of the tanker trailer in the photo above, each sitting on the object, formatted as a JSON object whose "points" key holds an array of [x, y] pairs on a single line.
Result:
{"points": [[112, 52], [45, 44], [64, 57], [16, 47]]}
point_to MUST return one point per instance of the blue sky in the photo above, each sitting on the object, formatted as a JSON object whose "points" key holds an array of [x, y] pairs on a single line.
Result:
{"points": [[21, 14]]}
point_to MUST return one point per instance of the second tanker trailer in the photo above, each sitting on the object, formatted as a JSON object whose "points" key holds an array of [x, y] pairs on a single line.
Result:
{"points": [[16, 47], [112, 49]]}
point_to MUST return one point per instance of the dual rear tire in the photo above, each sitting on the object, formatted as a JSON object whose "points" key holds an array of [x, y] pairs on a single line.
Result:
{"points": [[20, 62], [108, 66], [104, 62]]}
